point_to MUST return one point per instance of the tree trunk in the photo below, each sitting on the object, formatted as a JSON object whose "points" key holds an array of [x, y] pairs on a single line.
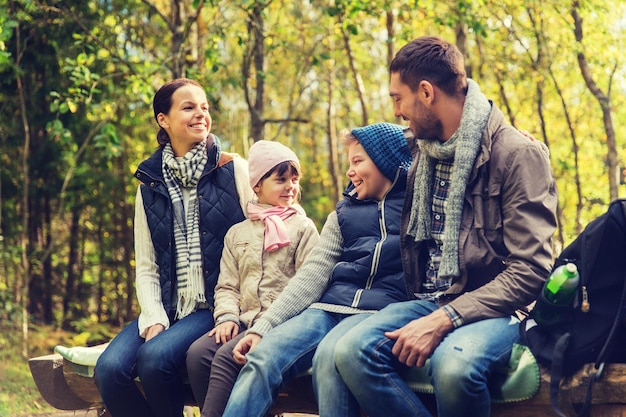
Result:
{"points": [[331, 131], [24, 245], [391, 36], [101, 275], [126, 237], [461, 42], [48, 285], [72, 262], [358, 82], [605, 104], [254, 57], [575, 152], [180, 22], [505, 99], [177, 49]]}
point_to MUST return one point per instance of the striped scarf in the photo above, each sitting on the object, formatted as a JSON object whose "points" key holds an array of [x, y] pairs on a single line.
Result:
{"points": [[185, 172], [463, 146]]}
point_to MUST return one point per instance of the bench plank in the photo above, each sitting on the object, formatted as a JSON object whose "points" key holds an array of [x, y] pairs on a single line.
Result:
{"points": [[47, 371], [62, 388]]}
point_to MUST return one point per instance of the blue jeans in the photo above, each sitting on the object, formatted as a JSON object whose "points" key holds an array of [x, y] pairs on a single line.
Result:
{"points": [[459, 367], [286, 351], [158, 364]]}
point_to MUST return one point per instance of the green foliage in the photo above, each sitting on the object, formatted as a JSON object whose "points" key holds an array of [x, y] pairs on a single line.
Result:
{"points": [[89, 70], [108, 141], [7, 26]]}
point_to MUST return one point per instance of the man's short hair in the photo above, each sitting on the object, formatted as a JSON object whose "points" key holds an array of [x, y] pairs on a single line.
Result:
{"points": [[433, 59]]}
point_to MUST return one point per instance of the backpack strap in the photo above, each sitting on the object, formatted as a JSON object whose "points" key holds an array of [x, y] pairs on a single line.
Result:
{"points": [[556, 372], [599, 365], [557, 364]]}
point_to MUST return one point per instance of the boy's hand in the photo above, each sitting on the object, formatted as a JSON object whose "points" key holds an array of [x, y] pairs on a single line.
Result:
{"points": [[224, 331], [245, 346]]}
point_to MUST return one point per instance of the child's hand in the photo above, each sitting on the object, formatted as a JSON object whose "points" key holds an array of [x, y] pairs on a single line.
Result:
{"points": [[244, 346], [224, 331]]}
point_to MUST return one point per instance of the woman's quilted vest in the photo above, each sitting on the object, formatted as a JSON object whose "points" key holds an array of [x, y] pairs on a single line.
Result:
{"points": [[219, 210]]}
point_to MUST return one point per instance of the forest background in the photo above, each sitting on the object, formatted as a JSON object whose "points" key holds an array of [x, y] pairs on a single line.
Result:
{"points": [[77, 78]]}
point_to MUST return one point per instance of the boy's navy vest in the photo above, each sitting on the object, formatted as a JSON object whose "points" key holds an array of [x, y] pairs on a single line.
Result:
{"points": [[369, 275]]}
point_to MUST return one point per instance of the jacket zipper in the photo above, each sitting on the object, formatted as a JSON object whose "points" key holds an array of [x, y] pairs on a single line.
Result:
{"points": [[376, 256]]}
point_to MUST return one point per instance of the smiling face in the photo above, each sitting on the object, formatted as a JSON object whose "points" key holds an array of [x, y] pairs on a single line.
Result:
{"points": [[367, 179], [412, 106], [188, 121], [279, 189]]}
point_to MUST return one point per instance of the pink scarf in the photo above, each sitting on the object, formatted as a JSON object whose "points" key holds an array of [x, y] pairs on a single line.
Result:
{"points": [[276, 235]]}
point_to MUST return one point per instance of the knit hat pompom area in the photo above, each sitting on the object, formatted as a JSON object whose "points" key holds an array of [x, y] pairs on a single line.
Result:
{"points": [[386, 144], [265, 155]]}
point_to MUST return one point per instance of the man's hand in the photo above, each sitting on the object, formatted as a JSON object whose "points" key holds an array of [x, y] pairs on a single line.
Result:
{"points": [[224, 331], [245, 346], [154, 330], [417, 340]]}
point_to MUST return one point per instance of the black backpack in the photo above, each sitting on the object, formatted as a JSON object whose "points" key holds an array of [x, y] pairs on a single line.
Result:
{"points": [[593, 336]]}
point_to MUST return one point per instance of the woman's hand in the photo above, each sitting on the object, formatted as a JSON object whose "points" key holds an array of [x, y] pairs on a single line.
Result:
{"points": [[154, 330], [224, 331]]}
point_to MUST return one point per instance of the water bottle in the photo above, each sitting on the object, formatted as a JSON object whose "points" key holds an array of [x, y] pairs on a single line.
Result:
{"points": [[562, 285], [558, 292]]}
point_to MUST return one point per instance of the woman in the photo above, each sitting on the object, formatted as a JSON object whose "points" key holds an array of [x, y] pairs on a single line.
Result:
{"points": [[190, 194]]}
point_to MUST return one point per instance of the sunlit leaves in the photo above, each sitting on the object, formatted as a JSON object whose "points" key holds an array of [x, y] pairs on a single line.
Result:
{"points": [[107, 141], [58, 132]]}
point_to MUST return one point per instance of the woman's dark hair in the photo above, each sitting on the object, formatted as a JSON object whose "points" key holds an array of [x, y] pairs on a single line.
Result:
{"points": [[162, 102], [433, 59]]}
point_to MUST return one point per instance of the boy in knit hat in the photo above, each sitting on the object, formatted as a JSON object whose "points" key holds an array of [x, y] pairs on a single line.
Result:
{"points": [[261, 254], [354, 271]]}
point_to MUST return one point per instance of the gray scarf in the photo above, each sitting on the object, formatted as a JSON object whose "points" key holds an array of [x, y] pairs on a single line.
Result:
{"points": [[463, 146], [185, 172]]}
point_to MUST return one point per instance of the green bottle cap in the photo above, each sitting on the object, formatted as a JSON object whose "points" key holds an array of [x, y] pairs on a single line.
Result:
{"points": [[556, 280]]}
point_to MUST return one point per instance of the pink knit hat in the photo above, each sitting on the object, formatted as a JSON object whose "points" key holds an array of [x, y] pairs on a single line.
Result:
{"points": [[265, 155]]}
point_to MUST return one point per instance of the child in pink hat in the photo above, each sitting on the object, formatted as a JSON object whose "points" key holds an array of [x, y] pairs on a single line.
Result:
{"points": [[260, 256]]}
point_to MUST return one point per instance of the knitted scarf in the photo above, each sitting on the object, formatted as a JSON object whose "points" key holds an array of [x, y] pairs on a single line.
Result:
{"points": [[276, 235], [185, 172], [463, 146]]}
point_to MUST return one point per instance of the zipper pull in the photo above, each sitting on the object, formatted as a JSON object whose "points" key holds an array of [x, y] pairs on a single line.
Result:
{"points": [[584, 306]]}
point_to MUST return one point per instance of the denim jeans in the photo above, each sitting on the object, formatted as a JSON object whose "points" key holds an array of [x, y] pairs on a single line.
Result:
{"points": [[158, 363], [459, 367], [283, 353]]}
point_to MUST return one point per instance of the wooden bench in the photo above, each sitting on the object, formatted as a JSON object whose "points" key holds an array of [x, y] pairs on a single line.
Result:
{"points": [[64, 388]]}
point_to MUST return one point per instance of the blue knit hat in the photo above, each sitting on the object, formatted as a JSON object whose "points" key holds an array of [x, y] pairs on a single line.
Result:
{"points": [[386, 145]]}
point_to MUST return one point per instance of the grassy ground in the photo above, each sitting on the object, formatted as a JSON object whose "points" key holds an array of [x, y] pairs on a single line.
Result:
{"points": [[19, 396]]}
